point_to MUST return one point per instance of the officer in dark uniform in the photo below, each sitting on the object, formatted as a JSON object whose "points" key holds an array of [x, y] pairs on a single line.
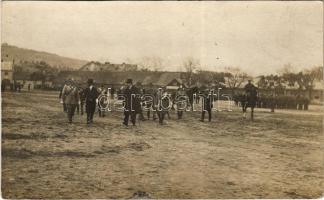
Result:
{"points": [[249, 87], [91, 94], [181, 94], [82, 99], [163, 105], [207, 105], [132, 102]]}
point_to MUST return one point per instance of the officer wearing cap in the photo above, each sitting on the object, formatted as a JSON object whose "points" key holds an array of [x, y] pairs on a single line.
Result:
{"points": [[207, 104], [249, 87], [132, 102], [72, 99]]}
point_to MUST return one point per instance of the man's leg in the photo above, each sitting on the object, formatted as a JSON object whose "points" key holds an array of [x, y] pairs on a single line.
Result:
{"points": [[81, 107], [93, 109], [87, 106], [64, 107], [148, 114], [77, 108], [202, 115], [99, 111], [133, 117], [209, 114], [154, 115], [68, 113], [73, 107], [161, 118], [126, 118]]}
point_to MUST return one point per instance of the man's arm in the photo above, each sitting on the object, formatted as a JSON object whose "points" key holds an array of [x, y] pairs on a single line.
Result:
{"points": [[63, 91], [60, 95]]}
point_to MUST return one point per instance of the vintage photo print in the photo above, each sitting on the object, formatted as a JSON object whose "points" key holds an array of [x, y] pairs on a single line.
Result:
{"points": [[162, 100]]}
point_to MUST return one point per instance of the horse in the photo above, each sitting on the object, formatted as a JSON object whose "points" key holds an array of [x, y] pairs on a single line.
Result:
{"points": [[248, 100]]}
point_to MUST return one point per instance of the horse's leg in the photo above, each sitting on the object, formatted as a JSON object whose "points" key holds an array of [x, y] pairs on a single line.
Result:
{"points": [[244, 110]]}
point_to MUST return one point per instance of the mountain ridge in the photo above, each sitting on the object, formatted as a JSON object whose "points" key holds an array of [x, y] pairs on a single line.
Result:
{"points": [[18, 54]]}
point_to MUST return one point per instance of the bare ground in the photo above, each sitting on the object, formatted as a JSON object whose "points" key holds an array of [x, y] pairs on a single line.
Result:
{"points": [[279, 155]]}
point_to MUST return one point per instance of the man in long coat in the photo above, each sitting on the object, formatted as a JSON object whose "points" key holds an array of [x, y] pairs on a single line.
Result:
{"points": [[132, 102], [207, 105], [91, 94]]}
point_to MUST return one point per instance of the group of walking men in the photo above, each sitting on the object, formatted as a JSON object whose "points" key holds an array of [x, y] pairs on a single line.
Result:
{"points": [[74, 97], [134, 102]]}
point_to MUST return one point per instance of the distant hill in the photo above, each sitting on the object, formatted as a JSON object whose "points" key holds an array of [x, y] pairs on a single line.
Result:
{"points": [[20, 55]]}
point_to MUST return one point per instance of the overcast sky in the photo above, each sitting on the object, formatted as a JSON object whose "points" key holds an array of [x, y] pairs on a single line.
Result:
{"points": [[259, 37]]}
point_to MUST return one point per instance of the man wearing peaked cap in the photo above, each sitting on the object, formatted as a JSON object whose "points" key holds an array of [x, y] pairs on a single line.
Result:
{"points": [[132, 102]]}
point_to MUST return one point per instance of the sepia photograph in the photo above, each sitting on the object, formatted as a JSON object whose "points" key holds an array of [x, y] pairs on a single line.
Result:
{"points": [[162, 100]]}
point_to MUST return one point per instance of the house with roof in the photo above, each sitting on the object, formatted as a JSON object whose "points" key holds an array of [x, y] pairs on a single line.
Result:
{"points": [[318, 91], [117, 79], [7, 73], [107, 66]]}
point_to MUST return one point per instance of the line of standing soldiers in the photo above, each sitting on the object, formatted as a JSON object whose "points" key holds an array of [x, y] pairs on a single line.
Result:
{"points": [[283, 102]]}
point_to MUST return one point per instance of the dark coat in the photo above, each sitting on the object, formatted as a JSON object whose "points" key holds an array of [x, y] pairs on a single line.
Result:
{"points": [[208, 101], [132, 103], [91, 95]]}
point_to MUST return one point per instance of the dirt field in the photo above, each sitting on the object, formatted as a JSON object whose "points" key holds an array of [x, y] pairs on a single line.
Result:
{"points": [[278, 155]]}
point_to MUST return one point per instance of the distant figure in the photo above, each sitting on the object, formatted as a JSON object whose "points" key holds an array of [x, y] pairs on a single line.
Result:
{"points": [[15, 86], [207, 105], [72, 99], [305, 102], [3, 86], [29, 87], [299, 101], [62, 97], [272, 102], [249, 99], [19, 87], [180, 104], [140, 113], [112, 92], [162, 105], [132, 103], [149, 103], [249, 87], [91, 95], [101, 101], [82, 99]]}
